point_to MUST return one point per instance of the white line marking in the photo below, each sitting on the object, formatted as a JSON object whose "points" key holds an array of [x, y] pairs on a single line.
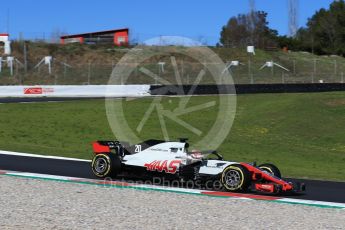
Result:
{"points": [[40, 156], [312, 202], [45, 176]]}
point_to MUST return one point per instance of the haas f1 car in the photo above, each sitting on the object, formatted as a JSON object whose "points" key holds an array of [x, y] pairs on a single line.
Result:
{"points": [[172, 160]]}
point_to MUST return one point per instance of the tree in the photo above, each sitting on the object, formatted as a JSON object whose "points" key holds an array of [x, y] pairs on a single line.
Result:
{"points": [[325, 31], [248, 29], [234, 34]]}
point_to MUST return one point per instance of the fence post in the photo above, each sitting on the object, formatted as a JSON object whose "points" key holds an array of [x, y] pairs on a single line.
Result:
{"points": [[159, 73], [136, 67], [16, 69], [182, 69], [20, 78], [314, 71], [65, 69], [25, 63], [25, 58], [283, 78], [89, 73], [250, 71]]}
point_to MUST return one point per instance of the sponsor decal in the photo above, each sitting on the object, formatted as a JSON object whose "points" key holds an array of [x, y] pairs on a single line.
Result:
{"points": [[137, 148], [48, 90], [33, 90], [160, 150], [266, 186], [38, 90], [165, 165]]}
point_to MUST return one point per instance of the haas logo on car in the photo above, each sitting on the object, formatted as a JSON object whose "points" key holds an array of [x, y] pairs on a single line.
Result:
{"points": [[166, 166]]}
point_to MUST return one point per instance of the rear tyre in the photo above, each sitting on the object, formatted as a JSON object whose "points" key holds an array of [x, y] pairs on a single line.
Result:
{"points": [[271, 169], [235, 178], [106, 165]]}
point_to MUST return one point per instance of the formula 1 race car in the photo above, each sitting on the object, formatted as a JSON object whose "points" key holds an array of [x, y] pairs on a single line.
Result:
{"points": [[172, 160]]}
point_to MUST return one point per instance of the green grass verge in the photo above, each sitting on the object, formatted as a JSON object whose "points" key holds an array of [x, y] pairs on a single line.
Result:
{"points": [[302, 133]]}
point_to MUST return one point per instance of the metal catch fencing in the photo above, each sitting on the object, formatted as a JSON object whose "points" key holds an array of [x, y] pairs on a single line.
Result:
{"points": [[162, 71]]}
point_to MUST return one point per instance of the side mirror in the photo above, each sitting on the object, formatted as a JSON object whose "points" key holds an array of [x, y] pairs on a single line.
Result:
{"points": [[183, 140], [220, 157]]}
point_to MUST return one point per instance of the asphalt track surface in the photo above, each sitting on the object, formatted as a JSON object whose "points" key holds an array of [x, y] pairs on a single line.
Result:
{"points": [[316, 190]]}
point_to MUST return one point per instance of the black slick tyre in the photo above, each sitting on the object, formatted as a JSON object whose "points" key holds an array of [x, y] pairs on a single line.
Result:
{"points": [[106, 165], [271, 169], [235, 178]]}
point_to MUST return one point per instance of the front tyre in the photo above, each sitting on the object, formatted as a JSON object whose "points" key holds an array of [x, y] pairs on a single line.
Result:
{"points": [[106, 165], [236, 178], [271, 169]]}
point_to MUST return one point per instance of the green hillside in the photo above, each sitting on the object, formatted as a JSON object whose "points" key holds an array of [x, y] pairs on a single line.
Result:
{"points": [[93, 64]]}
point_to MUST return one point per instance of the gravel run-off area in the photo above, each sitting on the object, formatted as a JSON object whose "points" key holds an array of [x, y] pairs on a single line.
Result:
{"points": [[41, 204]]}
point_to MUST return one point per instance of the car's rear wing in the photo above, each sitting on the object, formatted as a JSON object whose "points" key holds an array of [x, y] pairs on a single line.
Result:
{"points": [[108, 147]]}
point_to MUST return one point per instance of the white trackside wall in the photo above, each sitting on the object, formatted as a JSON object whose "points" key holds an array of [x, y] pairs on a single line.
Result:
{"points": [[75, 91]]}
